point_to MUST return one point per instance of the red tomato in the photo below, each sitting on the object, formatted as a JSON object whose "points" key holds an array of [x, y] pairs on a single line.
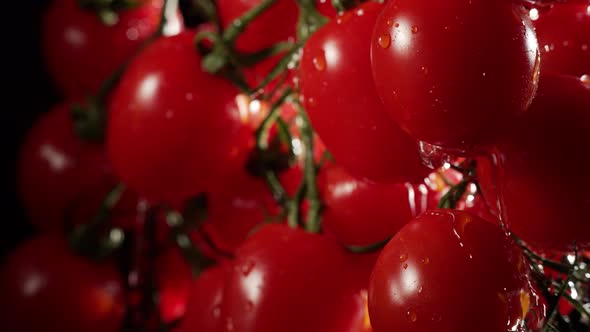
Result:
{"points": [[45, 287], [61, 177], [204, 307], [449, 271], [236, 209], [174, 130], [362, 213], [276, 24], [325, 8], [174, 278], [81, 51], [542, 180], [286, 279], [564, 38], [455, 73], [344, 108]]}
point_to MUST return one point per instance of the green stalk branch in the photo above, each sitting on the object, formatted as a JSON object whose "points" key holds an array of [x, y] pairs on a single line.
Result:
{"points": [[239, 25]]}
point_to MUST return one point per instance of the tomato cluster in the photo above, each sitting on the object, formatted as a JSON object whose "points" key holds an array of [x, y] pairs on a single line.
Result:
{"points": [[307, 165]]}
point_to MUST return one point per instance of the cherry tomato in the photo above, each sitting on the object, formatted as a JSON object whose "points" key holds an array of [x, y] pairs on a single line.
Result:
{"points": [[174, 278], [236, 209], [204, 306], [45, 287], [455, 73], [564, 38], [450, 271], [81, 51], [343, 105], [174, 130], [276, 24], [326, 8], [62, 179], [361, 213], [540, 180], [286, 279]]}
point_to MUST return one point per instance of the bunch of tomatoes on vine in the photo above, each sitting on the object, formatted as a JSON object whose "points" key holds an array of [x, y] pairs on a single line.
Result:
{"points": [[306, 165]]}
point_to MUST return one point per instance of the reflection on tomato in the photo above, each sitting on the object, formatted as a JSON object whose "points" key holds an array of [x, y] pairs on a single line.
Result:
{"points": [[286, 279], [46, 287], [426, 278], [81, 51]]}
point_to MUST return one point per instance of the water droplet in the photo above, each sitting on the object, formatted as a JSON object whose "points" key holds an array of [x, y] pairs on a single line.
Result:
{"points": [[132, 34], [247, 268], [425, 70], [585, 79], [189, 96], [384, 40], [403, 258], [433, 156], [566, 43], [483, 74], [584, 47], [425, 260], [414, 29], [319, 61], [389, 22], [420, 290], [436, 317], [405, 266], [249, 306], [217, 311], [412, 316]]}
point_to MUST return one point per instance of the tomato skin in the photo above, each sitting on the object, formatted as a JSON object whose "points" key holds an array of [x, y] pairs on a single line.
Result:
{"points": [[81, 51], [234, 210], [361, 213], [284, 279], [49, 288], [274, 25], [426, 277], [172, 141], [440, 74], [542, 179], [204, 306], [340, 97], [62, 178], [564, 38]]}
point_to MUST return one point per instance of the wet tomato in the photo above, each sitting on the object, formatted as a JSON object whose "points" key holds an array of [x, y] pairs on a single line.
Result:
{"points": [[455, 73], [360, 213], [174, 130], [564, 38], [47, 287], [286, 279], [427, 276], [339, 94], [62, 179], [204, 307], [81, 51], [541, 181]]}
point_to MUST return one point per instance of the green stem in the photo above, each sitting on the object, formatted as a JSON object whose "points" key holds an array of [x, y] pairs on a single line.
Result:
{"points": [[263, 130], [313, 224], [209, 9], [452, 197], [240, 24], [554, 307], [309, 19], [368, 248], [273, 182]]}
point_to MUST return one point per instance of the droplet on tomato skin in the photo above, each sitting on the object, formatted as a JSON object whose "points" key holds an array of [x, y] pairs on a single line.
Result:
{"points": [[319, 61], [397, 25], [403, 258], [585, 79], [420, 290], [217, 311], [412, 316], [384, 40], [229, 324], [414, 29], [389, 23], [425, 260], [247, 268], [405, 266]]}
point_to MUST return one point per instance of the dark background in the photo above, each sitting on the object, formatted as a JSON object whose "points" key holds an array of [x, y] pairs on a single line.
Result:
{"points": [[27, 92]]}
